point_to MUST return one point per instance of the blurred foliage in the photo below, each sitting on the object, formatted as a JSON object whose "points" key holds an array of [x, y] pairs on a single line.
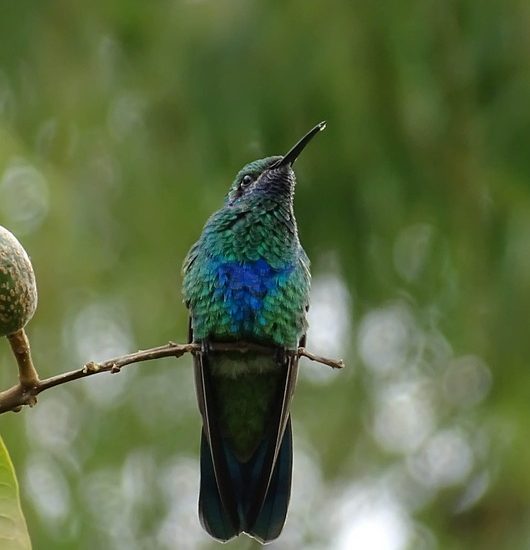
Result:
{"points": [[122, 125]]}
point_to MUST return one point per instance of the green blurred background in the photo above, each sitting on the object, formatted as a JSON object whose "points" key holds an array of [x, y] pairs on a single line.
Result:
{"points": [[122, 125]]}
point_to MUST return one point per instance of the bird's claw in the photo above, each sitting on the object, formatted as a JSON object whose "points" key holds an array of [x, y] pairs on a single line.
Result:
{"points": [[206, 347]]}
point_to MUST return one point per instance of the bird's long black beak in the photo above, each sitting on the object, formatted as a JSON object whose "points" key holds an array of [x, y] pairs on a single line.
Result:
{"points": [[292, 155]]}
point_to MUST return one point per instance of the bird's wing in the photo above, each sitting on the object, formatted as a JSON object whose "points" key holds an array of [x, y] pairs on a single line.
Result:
{"points": [[273, 439], [222, 497]]}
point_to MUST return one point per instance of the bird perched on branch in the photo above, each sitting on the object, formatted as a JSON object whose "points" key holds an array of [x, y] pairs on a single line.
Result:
{"points": [[247, 280]]}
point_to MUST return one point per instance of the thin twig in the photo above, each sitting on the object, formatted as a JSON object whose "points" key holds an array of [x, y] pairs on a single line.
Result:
{"points": [[333, 363], [16, 397]]}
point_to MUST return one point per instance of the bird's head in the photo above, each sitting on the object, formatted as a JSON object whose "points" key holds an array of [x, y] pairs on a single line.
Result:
{"points": [[270, 178]]}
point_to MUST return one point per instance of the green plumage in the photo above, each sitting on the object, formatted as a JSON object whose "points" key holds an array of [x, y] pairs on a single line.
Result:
{"points": [[247, 280], [257, 225], [244, 415], [256, 228]]}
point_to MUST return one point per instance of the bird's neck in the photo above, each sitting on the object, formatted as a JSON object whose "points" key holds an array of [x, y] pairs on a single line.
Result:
{"points": [[266, 232]]}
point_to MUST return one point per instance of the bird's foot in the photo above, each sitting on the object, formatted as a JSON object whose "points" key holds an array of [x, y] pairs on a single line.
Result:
{"points": [[206, 347]]}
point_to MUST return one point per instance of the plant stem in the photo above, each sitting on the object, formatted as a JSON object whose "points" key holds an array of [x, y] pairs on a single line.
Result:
{"points": [[27, 374]]}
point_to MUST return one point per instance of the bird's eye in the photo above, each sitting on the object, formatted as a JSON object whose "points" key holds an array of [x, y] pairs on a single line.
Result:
{"points": [[246, 181]]}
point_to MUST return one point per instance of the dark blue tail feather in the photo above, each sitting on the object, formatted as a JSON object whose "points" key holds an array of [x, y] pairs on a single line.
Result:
{"points": [[213, 515], [269, 523], [245, 479]]}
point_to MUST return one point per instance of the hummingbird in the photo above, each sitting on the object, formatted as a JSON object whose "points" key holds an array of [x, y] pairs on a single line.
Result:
{"points": [[247, 280]]}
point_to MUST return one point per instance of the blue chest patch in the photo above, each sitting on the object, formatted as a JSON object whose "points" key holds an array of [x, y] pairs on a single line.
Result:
{"points": [[243, 287]]}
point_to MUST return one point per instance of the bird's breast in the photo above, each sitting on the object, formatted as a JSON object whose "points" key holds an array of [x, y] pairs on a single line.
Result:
{"points": [[248, 291], [251, 299]]}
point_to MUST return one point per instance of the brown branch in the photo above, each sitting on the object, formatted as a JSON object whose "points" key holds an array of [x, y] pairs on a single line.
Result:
{"points": [[333, 363], [26, 393]]}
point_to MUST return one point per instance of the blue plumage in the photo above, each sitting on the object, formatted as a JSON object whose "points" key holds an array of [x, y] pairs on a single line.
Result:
{"points": [[243, 288]]}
